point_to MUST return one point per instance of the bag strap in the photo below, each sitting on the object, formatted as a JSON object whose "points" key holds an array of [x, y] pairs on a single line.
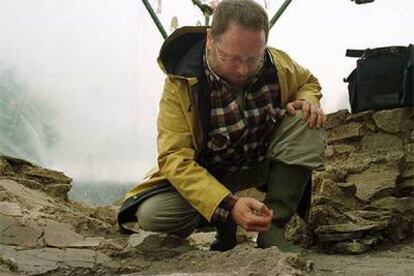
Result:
{"points": [[392, 50], [354, 53]]}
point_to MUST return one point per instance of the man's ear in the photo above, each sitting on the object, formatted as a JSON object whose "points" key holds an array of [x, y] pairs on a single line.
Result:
{"points": [[209, 39]]}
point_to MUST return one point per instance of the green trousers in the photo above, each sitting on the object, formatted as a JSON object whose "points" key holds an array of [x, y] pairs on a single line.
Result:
{"points": [[294, 150]]}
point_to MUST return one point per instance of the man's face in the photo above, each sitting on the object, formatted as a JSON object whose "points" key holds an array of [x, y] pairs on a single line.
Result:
{"points": [[237, 54]]}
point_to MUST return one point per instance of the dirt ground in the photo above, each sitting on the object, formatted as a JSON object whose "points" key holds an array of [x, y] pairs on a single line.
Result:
{"points": [[398, 260]]}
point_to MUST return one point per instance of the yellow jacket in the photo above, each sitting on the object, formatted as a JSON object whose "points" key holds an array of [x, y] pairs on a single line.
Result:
{"points": [[183, 119]]}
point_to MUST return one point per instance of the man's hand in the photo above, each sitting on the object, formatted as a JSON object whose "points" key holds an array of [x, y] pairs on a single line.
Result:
{"points": [[252, 214], [312, 113]]}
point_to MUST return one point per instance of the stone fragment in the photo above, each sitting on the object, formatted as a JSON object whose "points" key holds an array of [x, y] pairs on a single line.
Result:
{"points": [[409, 157], [369, 240], [364, 215], [16, 161], [32, 262], [336, 119], [60, 235], [10, 209], [381, 143], [6, 222], [136, 239], [407, 183], [31, 197], [349, 187], [329, 151], [379, 178], [401, 205], [84, 258], [329, 237], [408, 171], [4, 166], [46, 176], [21, 235], [347, 228], [155, 246], [58, 190], [361, 116], [350, 130], [352, 247], [337, 196], [106, 213], [88, 242], [104, 260], [393, 120], [27, 182], [344, 148]]}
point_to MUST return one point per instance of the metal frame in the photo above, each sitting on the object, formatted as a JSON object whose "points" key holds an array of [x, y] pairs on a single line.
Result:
{"points": [[207, 12]]}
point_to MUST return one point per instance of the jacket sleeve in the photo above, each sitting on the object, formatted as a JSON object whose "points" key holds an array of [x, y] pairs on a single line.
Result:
{"points": [[301, 83], [176, 154]]}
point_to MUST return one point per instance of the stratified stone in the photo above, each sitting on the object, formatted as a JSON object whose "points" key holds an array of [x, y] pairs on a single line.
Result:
{"points": [[337, 196], [32, 262], [361, 116], [58, 190], [329, 151], [401, 205], [394, 120], [409, 157], [106, 213], [7, 221], [10, 209], [27, 182], [88, 242], [381, 143], [336, 119], [344, 148], [347, 228], [46, 176], [84, 258], [379, 178], [60, 235], [352, 247], [155, 246], [329, 237], [407, 183], [31, 197], [349, 187], [342, 132], [4, 166], [408, 171], [104, 260], [21, 235], [136, 239]]}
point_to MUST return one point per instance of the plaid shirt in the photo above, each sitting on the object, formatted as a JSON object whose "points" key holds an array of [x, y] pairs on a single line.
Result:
{"points": [[238, 137]]}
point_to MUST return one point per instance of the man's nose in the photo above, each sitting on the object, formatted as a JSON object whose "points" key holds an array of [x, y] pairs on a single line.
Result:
{"points": [[243, 69]]}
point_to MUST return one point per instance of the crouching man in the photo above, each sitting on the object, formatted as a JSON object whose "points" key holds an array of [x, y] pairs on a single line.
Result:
{"points": [[234, 114]]}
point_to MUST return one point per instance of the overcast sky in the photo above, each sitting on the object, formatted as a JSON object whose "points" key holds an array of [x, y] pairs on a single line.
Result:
{"points": [[95, 62]]}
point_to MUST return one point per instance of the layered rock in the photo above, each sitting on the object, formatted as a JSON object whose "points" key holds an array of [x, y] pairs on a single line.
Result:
{"points": [[42, 232], [365, 195]]}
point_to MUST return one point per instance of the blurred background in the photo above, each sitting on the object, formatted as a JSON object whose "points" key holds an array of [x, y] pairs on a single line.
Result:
{"points": [[79, 82]]}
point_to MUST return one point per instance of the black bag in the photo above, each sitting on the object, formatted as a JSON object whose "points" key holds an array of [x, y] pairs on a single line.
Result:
{"points": [[383, 78]]}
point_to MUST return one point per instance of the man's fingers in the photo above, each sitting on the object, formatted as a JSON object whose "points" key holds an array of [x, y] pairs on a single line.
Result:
{"points": [[314, 112], [257, 223], [291, 108], [305, 111]]}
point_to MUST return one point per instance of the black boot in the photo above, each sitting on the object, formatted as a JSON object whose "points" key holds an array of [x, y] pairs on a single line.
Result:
{"points": [[225, 237]]}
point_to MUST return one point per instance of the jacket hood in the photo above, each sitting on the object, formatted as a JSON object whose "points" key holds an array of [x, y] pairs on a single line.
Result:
{"points": [[182, 52]]}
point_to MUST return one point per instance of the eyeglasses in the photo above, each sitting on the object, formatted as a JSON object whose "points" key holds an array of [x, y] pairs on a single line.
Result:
{"points": [[251, 62]]}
